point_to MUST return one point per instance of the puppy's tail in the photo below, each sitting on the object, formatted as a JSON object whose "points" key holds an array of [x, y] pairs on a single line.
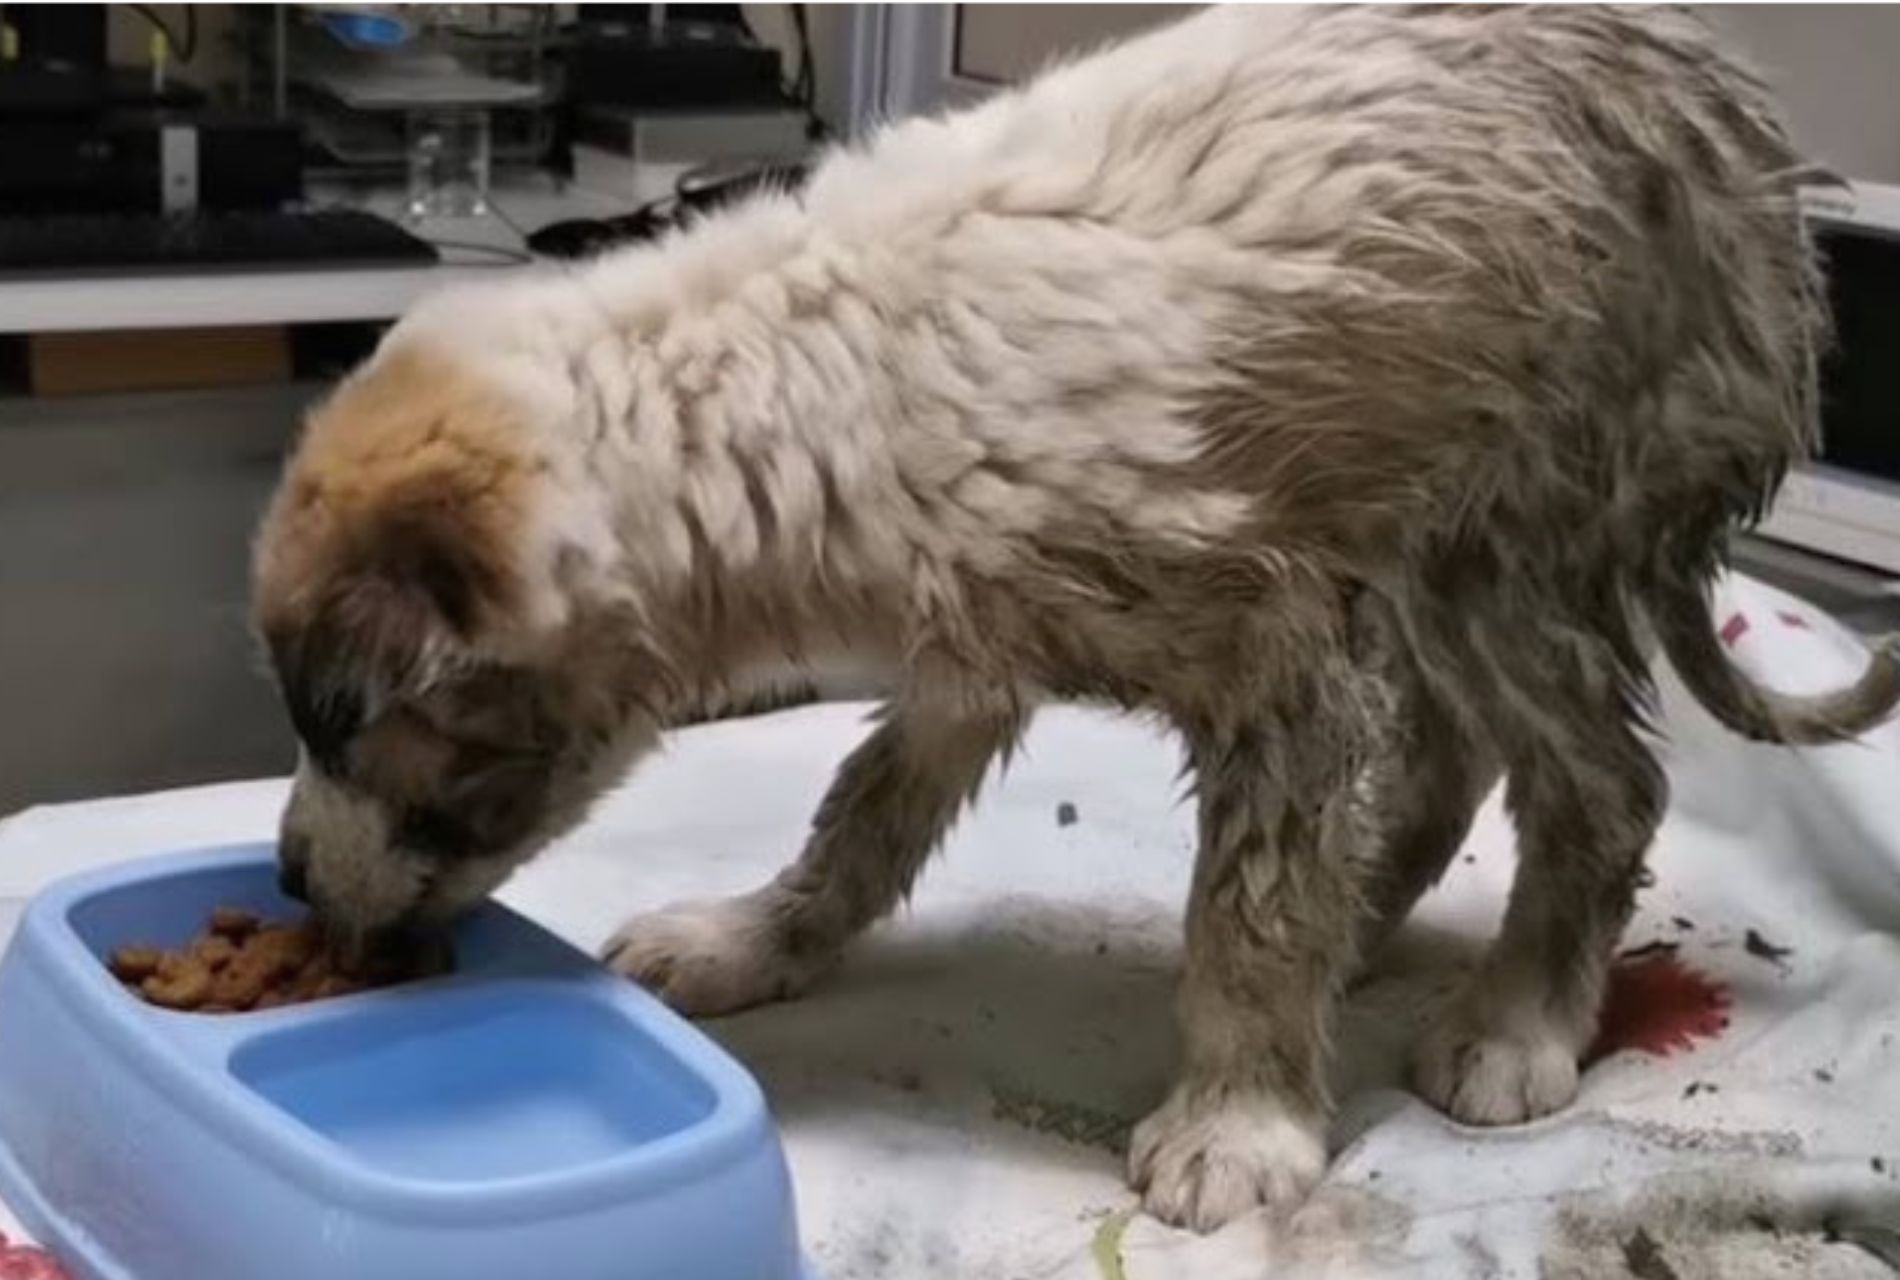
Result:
{"points": [[1686, 629]]}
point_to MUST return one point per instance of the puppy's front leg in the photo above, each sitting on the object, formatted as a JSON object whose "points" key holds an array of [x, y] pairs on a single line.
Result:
{"points": [[1270, 929], [886, 812]]}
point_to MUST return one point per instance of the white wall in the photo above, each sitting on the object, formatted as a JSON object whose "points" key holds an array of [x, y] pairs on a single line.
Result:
{"points": [[1837, 68], [1008, 42]]}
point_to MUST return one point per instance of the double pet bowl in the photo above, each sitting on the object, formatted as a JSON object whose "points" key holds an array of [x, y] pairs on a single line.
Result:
{"points": [[529, 1117]]}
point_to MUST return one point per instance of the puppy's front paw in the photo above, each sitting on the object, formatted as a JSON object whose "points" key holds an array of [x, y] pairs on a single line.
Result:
{"points": [[1209, 1155], [1504, 1070], [713, 957]]}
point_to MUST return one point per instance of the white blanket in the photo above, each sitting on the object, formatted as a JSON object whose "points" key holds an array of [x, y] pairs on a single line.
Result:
{"points": [[951, 1101]]}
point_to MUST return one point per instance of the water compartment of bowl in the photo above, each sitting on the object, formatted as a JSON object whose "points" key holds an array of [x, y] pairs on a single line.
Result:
{"points": [[529, 1113], [530, 1086]]}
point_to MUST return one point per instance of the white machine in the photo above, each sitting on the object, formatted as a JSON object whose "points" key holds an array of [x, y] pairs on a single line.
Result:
{"points": [[1846, 504]]}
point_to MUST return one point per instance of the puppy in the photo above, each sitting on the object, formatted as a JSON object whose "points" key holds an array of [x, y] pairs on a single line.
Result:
{"points": [[1364, 395]]}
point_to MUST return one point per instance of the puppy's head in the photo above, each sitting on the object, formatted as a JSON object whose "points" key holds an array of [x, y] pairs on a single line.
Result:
{"points": [[456, 709]]}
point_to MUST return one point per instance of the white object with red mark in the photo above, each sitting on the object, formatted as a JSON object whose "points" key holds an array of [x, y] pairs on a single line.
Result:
{"points": [[27, 1262], [947, 1098]]}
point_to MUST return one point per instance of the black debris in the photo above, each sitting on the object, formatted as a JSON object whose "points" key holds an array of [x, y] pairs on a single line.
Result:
{"points": [[1066, 815], [1762, 949], [1657, 948], [1882, 1242], [1682, 922], [1644, 1257]]}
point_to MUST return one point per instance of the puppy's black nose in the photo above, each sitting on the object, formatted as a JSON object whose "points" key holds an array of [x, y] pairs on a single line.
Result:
{"points": [[292, 880]]}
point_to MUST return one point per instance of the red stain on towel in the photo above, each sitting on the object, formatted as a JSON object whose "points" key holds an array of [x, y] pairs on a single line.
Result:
{"points": [[24, 1262], [1656, 1004], [1734, 629]]}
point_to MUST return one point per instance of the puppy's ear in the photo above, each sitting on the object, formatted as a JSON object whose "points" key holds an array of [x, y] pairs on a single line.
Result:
{"points": [[402, 592]]}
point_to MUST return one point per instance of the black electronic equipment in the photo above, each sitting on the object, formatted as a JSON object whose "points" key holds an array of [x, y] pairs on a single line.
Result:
{"points": [[132, 162], [45, 90], [631, 63], [146, 244], [71, 35]]}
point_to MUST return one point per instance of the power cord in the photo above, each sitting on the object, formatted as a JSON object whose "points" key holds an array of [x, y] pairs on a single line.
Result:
{"points": [[802, 89], [184, 50], [805, 83], [503, 256], [697, 192]]}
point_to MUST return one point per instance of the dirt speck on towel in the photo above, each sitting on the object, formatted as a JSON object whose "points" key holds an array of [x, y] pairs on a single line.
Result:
{"points": [[1704, 1226], [1481, 1261], [1071, 1121], [1762, 949], [1645, 1258], [1705, 1140]]}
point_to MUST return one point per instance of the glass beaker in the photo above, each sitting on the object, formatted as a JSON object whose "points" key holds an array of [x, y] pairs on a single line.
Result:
{"points": [[448, 162]]}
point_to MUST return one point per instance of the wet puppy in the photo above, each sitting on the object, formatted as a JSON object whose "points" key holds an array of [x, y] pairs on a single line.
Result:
{"points": [[1365, 393]]}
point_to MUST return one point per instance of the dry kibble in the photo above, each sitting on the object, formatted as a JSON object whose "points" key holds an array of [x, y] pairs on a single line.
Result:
{"points": [[282, 949], [240, 984], [180, 983], [134, 965], [240, 962], [335, 985], [213, 951], [234, 923], [309, 978]]}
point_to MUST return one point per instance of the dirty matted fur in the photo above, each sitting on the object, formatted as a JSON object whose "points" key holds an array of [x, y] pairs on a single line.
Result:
{"points": [[1362, 393]]}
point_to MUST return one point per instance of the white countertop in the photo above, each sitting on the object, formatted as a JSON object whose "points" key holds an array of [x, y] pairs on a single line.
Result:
{"points": [[951, 1099]]}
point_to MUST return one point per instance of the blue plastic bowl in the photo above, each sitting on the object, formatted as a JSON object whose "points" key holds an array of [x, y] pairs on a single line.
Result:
{"points": [[528, 1117]]}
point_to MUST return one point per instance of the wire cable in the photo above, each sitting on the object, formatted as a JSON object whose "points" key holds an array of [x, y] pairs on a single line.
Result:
{"points": [[184, 50], [503, 256], [802, 88], [805, 83]]}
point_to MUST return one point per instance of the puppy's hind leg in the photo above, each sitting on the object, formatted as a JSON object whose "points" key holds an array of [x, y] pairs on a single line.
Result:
{"points": [[886, 812], [1586, 808], [1426, 786], [1271, 921]]}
